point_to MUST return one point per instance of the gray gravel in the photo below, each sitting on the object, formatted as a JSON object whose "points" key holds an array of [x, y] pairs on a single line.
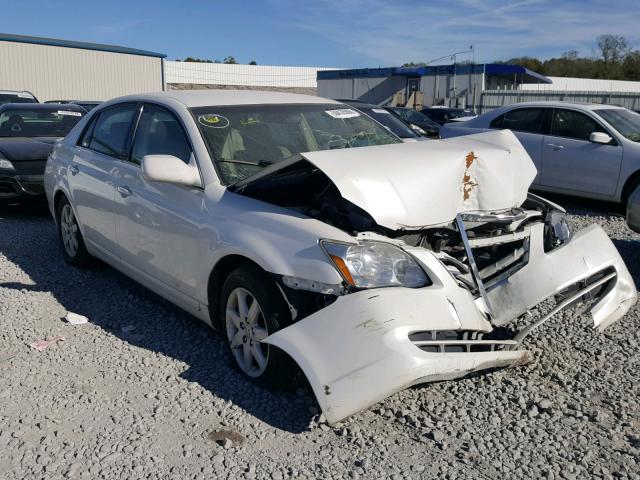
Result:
{"points": [[146, 391]]}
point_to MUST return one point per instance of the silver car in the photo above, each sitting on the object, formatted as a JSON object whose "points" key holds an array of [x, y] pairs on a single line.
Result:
{"points": [[585, 150]]}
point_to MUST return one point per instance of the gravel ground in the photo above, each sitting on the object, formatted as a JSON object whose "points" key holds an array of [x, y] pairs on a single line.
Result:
{"points": [[146, 391]]}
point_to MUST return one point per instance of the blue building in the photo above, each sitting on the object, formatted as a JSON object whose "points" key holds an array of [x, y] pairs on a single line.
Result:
{"points": [[458, 85]]}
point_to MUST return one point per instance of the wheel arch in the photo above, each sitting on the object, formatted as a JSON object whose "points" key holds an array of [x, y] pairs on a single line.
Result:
{"points": [[221, 270], [632, 181]]}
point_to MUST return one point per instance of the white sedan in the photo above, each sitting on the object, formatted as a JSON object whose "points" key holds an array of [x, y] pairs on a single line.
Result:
{"points": [[312, 238]]}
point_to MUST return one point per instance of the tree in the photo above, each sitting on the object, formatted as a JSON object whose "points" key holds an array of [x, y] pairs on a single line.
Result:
{"points": [[613, 48], [631, 66], [253, 62], [230, 60]]}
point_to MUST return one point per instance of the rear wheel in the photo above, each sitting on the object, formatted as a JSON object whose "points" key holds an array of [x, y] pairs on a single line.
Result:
{"points": [[252, 308], [69, 235]]}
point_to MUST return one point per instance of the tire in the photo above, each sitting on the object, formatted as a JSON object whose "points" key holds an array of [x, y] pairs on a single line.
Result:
{"points": [[69, 236], [251, 308]]}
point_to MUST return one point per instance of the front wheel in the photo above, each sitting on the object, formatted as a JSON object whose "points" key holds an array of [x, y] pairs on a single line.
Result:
{"points": [[69, 235], [251, 309]]}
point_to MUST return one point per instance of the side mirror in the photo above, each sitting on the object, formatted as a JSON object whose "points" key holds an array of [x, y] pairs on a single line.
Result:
{"points": [[600, 137], [170, 169]]}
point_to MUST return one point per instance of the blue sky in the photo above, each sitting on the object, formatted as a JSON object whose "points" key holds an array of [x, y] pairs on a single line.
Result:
{"points": [[333, 33]]}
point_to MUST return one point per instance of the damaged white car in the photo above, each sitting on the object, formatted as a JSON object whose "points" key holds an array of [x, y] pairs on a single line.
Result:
{"points": [[372, 269]]}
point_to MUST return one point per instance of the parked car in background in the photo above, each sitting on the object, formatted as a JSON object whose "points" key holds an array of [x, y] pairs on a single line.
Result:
{"points": [[442, 115], [28, 132], [387, 119], [11, 96], [88, 105], [308, 233], [633, 210], [417, 121], [579, 149]]}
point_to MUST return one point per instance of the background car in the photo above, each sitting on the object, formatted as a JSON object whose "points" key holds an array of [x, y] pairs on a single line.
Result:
{"points": [[387, 119], [28, 132], [88, 105], [416, 120], [586, 150], [442, 115], [11, 96]]}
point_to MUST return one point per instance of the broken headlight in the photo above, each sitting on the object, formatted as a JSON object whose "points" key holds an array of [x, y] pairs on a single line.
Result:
{"points": [[559, 229], [375, 264]]}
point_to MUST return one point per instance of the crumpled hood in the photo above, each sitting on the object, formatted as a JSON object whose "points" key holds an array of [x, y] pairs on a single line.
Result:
{"points": [[421, 184], [16, 149]]}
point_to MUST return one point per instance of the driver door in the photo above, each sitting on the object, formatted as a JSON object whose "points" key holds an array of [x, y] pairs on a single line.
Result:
{"points": [[573, 164]]}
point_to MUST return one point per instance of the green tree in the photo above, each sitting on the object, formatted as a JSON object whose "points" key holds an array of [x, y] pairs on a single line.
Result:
{"points": [[230, 60]]}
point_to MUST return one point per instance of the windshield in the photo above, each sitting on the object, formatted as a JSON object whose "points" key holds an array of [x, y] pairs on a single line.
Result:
{"points": [[242, 140], [626, 122], [413, 116], [390, 121], [37, 122], [16, 98], [460, 113]]}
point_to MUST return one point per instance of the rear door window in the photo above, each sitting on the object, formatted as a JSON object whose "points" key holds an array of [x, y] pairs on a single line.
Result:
{"points": [[111, 131], [529, 120]]}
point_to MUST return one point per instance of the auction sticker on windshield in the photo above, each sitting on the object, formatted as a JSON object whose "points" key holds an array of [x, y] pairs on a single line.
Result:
{"points": [[67, 112], [342, 113], [213, 120]]}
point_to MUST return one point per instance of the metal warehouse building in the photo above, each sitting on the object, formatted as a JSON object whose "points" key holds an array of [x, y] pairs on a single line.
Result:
{"points": [[62, 69], [450, 85]]}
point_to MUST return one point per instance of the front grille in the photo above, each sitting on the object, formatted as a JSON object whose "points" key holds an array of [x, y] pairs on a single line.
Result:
{"points": [[457, 341]]}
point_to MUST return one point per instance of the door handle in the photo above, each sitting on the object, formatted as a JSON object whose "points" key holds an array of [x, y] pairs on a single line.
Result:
{"points": [[74, 170], [555, 146], [123, 191]]}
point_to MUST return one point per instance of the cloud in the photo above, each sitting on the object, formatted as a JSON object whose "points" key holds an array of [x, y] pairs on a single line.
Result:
{"points": [[389, 33], [120, 26]]}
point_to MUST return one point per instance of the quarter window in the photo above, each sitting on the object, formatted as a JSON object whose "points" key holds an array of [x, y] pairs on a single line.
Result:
{"points": [[160, 133], [529, 120], [572, 124], [111, 131]]}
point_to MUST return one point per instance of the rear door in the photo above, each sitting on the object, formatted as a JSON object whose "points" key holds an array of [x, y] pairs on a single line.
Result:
{"points": [[90, 174], [158, 225], [529, 124], [572, 163]]}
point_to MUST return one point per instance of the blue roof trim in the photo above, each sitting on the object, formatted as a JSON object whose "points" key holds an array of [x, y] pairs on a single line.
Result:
{"points": [[54, 42], [459, 69]]}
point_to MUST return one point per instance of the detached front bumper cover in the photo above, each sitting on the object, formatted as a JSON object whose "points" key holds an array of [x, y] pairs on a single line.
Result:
{"points": [[359, 350]]}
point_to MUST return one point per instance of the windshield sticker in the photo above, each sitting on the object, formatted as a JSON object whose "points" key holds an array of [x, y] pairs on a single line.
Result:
{"points": [[67, 112], [342, 113], [379, 110], [25, 95], [213, 120]]}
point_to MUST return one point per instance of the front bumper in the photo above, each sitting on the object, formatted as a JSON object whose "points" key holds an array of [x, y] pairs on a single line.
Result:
{"points": [[19, 187], [362, 348]]}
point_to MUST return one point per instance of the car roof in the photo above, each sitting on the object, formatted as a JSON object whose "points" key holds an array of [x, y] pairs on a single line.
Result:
{"points": [[205, 98], [577, 105], [42, 106], [359, 104]]}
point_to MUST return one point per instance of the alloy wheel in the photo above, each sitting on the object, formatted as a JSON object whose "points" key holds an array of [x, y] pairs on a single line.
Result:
{"points": [[69, 229]]}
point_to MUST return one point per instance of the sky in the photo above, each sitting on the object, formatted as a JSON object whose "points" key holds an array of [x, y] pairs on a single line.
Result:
{"points": [[331, 33]]}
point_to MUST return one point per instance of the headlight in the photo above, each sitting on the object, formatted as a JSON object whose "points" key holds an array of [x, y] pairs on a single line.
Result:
{"points": [[6, 165], [418, 130], [375, 264]]}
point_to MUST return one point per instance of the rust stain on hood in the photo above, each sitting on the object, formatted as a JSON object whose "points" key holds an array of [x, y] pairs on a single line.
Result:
{"points": [[468, 184]]}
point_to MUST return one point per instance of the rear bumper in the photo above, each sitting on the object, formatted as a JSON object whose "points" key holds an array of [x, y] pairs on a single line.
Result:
{"points": [[363, 347]]}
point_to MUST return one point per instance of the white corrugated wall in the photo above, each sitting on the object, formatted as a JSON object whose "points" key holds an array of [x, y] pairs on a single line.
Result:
{"points": [[246, 75], [61, 73], [583, 85]]}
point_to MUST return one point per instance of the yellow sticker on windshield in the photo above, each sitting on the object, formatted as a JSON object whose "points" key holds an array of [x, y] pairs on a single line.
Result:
{"points": [[213, 120]]}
